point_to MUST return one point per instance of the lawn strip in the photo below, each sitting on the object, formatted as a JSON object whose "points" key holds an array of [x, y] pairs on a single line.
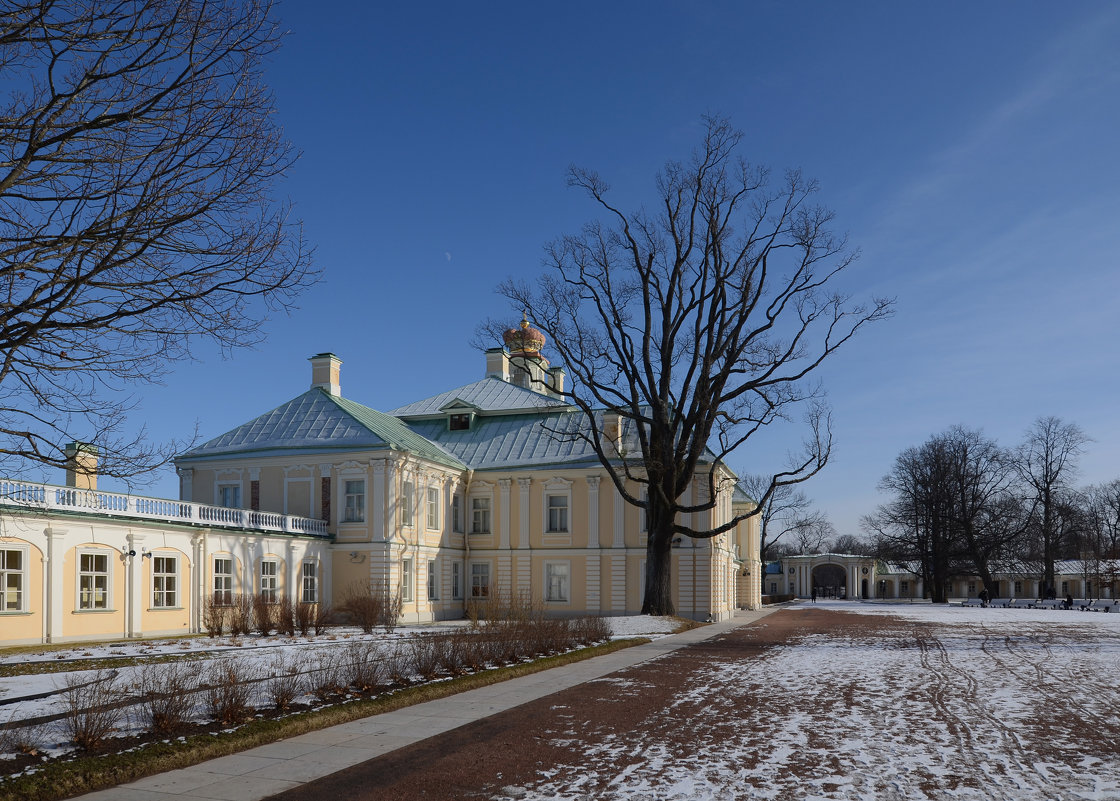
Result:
{"points": [[86, 774]]}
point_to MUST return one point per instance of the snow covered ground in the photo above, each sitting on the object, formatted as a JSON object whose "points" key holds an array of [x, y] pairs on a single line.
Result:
{"points": [[899, 702]]}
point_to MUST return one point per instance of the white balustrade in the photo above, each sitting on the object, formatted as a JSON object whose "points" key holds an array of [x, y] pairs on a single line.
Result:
{"points": [[47, 496]]}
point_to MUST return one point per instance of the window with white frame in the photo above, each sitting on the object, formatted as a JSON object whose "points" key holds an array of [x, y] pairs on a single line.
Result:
{"points": [[13, 562], [904, 589], [1065, 587], [354, 501], [557, 581], [972, 588], [406, 579], [165, 584], [407, 501], [93, 580], [480, 515], [433, 581], [223, 580], [433, 508], [268, 580], [229, 496], [480, 580], [310, 589], [457, 513], [557, 513], [456, 581], [1018, 588]]}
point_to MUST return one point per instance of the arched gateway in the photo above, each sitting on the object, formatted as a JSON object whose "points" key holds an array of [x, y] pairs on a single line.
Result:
{"points": [[835, 575], [830, 581]]}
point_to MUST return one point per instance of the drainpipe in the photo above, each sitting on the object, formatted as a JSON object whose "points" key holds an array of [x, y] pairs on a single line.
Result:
{"points": [[466, 539]]}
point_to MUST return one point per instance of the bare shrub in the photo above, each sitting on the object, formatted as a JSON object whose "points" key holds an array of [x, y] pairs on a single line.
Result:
{"points": [[363, 603], [467, 651], [426, 652], [167, 700], [216, 613], [241, 615], [229, 692], [398, 666], [285, 683], [92, 708], [366, 668], [589, 630], [324, 618], [330, 677], [264, 613], [304, 618], [391, 611], [30, 740], [284, 616]]}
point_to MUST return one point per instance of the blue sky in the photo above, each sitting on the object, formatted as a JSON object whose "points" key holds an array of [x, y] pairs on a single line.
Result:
{"points": [[968, 149]]}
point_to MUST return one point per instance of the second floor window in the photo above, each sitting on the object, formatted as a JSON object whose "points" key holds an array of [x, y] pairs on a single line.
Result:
{"points": [[457, 514], [433, 507], [558, 513], [354, 504], [229, 496], [480, 515], [407, 500]]}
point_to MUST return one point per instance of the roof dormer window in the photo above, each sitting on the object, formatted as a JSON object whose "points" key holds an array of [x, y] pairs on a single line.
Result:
{"points": [[459, 422]]}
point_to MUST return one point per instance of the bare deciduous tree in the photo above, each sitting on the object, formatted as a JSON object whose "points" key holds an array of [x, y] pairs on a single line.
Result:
{"points": [[697, 323], [138, 151]]}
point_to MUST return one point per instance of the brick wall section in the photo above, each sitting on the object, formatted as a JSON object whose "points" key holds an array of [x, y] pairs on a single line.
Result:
{"points": [[325, 499], [255, 495]]}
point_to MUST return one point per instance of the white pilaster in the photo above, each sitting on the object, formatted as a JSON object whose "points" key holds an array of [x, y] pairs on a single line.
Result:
{"points": [[504, 521], [593, 523], [523, 486]]}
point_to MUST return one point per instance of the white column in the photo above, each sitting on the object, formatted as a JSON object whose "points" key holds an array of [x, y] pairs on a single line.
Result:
{"points": [[592, 512], [378, 513], [197, 585], [619, 539], [136, 592], [292, 576], [523, 533], [504, 526], [56, 543]]}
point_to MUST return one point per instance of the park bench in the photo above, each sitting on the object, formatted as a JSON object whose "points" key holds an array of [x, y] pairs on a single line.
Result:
{"points": [[1104, 605], [1050, 603], [1023, 603], [999, 603], [972, 602]]}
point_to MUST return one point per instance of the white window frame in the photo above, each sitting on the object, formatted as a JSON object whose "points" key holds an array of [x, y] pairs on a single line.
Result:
{"points": [[456, 581], [457, 526], [222, 594], [557, 508], [227, 494], [406, 579], [433, 508], [268, 583], [108, 574], [480, 589], [8, 572], [558, 581], [433, 580], [557, 488], [1018, 588], [481, 518], [408, 502], [904, 588], [309, 582], [162, 596], [353, 511]]}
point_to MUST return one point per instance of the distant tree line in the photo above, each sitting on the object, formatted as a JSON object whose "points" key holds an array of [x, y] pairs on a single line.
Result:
{"points": [[961, 503]]}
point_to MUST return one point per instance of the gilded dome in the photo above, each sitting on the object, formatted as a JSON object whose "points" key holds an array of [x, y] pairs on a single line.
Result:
{"points": [[524, 338]]}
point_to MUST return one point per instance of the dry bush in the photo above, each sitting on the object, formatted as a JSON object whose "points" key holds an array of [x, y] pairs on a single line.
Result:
{"points": [[304, 618], [241, 615], [92, 708], [28, 740], [427, 653], [284, 616], [285, 683], [330, 678], [264, 614], [216, 614], [167, 697], [589, 630], [324, 618], [366, 668], [363, 603], [466, 650], [398, 666], [229, 692], [391, 611]]}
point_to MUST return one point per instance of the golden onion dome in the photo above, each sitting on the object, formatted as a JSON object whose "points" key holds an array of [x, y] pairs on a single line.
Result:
{"points": [[524, 339]]}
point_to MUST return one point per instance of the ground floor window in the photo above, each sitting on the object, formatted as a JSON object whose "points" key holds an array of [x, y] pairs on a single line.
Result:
{"points": [[223, 580], [310, 583], [268, 580], [93, 581], [12, 563], [1065, 587], [165, 588], [457, 581], [433, 581], [557, 581], [480, 580], [904, 588], [971, 588], [406, 579], [1018, 588]]}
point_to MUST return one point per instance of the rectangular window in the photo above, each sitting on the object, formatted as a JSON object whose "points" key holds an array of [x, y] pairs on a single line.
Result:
{"points": [[1018, 588], [93, 581], [904, 588], [773, 588], [457, 581], [223, 580], [480, 580], [354, 505], [433, 508], [268, 580], [165, 572], [407, 500], [460, 422], [11, 580], [557, 513], [457, 514], [433, 581], [229, 496], [1065, 587], [972, 588], [406, 579], [480, 515], [310, 583], [556, 581]]}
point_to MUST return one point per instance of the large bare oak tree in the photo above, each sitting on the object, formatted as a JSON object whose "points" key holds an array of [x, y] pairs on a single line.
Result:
{"points": [[138, 154], [697, 323]]}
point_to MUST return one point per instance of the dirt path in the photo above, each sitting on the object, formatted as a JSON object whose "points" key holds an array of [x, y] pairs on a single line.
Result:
{"points": [[808, 703]]}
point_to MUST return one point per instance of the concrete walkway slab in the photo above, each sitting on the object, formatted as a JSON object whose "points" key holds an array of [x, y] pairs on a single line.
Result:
{"points": [[270, 769]]}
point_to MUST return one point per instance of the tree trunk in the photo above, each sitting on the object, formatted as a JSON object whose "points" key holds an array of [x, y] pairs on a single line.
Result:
{"points": [[658, 599]]}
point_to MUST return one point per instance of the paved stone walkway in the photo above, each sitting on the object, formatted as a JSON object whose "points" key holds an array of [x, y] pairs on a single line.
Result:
{"points": [[269, 769]]}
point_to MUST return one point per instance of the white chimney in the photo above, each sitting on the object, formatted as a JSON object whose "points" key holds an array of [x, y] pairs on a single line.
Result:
{"points": [[81, 465], [325, 368]]}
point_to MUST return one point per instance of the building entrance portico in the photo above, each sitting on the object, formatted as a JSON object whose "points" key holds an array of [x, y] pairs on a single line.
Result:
{"points": [[830, 580], [834, 575]]}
